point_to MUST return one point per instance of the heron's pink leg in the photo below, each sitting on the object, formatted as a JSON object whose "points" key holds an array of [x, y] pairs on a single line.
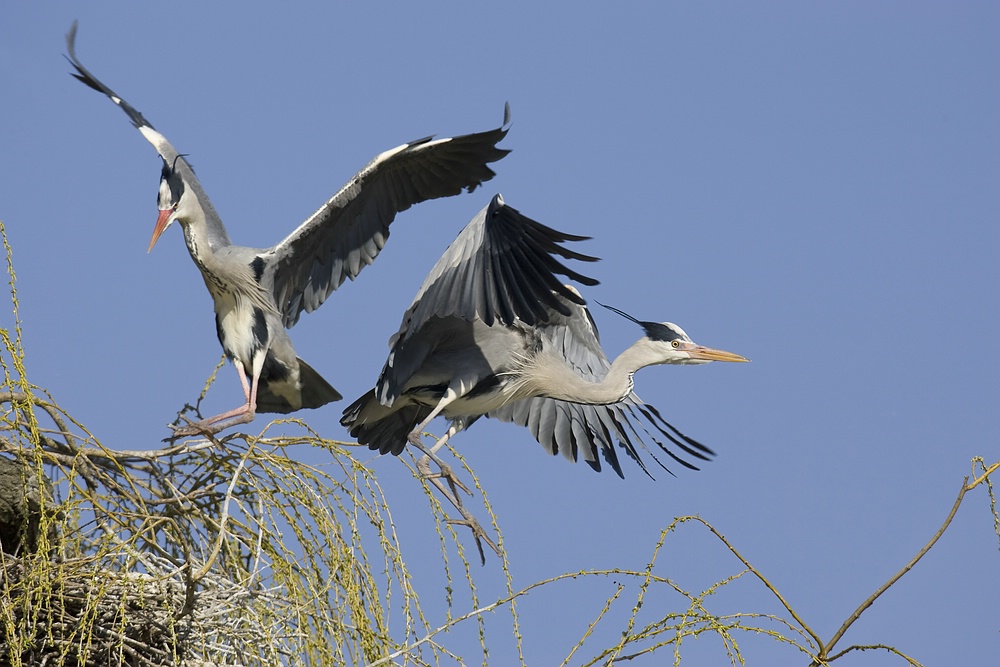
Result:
{"points": [[241, 415]]}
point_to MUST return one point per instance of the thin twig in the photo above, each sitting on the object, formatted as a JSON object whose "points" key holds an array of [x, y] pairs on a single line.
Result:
{"points": [[870, 600], [877, 647], [762, 578]]}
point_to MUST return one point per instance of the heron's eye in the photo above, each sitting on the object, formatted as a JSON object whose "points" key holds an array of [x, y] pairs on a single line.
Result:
{"points": [[675, 344]]}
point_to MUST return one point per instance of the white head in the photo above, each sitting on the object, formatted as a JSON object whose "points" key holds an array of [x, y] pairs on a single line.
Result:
{"points": [[170, 200], [671, 345], [676, 347]]}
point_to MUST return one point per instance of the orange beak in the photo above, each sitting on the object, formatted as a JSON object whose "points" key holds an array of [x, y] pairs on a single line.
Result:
{"points": [[709, 354], [161, 224]]}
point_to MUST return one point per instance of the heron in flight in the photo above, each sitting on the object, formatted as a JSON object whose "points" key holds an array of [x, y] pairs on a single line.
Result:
{"points": [[493, 332], [259, 292]]}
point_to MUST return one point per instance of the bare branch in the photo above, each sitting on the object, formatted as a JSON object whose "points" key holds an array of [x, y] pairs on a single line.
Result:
{"points": [[906, 568]]}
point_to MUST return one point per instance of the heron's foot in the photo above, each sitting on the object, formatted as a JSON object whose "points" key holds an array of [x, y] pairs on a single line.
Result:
{"points": [[209, 427], [192, 428], [477, 533], [444, 472], [451, 495]]}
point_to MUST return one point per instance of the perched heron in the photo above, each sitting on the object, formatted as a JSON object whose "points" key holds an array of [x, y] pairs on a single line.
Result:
{"points": [[494, 332], [258, 292]]}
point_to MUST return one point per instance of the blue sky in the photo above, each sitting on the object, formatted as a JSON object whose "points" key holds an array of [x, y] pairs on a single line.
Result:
{"points": [[811, 185]]}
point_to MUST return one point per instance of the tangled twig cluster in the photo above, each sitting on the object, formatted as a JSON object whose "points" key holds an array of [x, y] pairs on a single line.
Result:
{"points": [[192, 552]]}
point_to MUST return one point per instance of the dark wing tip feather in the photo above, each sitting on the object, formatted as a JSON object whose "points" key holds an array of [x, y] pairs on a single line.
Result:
{"points": [[84, 76], [704, 453], [81, 74], [422, 140], [71, 38], [634, 415], [611, 457], [617, 419], [526, 253]]}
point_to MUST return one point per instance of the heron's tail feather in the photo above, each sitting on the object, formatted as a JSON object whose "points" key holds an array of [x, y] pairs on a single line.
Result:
{"points": [[315, 390], [282, 396], [381, 427]]}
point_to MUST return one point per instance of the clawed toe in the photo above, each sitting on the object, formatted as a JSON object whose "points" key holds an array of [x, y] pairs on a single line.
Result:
{"points": [[478, 534], [192, 428], [211, 426], [453, 481], [450, 492], [444, 472]]}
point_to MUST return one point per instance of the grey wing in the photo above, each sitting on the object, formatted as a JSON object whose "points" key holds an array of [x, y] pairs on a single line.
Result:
{"points": [[503, 267], [348, 231], [169, 155], [578, 430]]}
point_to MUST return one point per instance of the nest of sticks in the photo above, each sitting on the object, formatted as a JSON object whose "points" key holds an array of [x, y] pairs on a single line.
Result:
{"points": [[202, 553]]}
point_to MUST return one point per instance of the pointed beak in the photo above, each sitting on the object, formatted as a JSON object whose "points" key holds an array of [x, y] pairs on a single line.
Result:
{"points": [[710, 354], [161, 223]]}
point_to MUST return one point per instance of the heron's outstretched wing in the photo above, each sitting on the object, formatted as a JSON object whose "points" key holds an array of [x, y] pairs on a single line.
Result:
{"points": [[501, 268], [348, 231], [578, 430], [217, 232]]}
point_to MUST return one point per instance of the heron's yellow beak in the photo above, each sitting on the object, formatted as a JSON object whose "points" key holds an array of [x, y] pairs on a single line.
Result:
{"points": [[710, 354]]}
